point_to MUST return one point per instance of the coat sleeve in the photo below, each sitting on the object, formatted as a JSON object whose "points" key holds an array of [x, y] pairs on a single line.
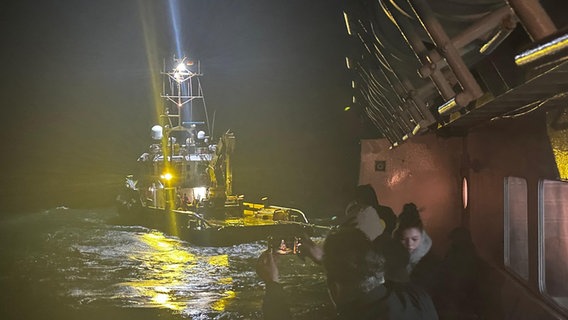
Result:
{"points": [[275, 305]]}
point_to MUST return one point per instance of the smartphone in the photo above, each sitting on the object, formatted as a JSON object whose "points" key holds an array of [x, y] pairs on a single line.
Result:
{"points": [[284, 246]]}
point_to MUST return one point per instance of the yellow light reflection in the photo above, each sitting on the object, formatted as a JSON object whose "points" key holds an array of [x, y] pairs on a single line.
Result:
{"points": [[221, 261], [228, 280], [221, 304], [347, 25], [161, 298], [548, 48], [167, 264], [150, 40], [169, 267], [558, 136]]}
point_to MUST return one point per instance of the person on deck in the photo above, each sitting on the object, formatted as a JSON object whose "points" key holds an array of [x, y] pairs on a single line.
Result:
{"points": [[365, 213], [423, 266], [463, 270], [355, 280], [364, 204]]}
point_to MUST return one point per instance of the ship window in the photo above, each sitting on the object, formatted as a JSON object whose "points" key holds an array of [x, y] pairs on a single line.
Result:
{"points": [[516, 254], [465, 192], [553, 240]]}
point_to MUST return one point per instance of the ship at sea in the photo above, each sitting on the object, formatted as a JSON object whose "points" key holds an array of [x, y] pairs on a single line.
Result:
{"points": [[184, 183]]}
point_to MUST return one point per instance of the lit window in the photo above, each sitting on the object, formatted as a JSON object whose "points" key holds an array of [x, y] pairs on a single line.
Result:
{"points": [[516, 226], [465, 192], [553, 240]]}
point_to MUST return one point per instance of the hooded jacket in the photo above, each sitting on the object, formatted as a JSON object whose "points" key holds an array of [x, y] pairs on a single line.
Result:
{"points": [[366, 219], [424, 266]]}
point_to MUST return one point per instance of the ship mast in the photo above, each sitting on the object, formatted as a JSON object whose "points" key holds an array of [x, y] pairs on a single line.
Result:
{"points": [[180, 87]]}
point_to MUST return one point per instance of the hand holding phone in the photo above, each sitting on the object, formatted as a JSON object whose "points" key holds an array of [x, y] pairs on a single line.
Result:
{"points": [[284, 246], [266, 267]]}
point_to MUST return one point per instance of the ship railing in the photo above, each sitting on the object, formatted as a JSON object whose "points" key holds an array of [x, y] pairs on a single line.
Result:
{"points": [[195, 215], [296, 211]]}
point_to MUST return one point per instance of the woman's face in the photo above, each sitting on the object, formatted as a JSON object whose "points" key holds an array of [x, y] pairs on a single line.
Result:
{"points": [[411, 238]]}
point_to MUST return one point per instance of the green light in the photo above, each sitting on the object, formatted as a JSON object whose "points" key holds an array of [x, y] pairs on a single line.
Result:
{"points": [[347, 108]]}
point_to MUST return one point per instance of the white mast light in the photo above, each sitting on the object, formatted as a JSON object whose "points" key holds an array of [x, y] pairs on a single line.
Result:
{"points": [[181, 68], [181, 73]]}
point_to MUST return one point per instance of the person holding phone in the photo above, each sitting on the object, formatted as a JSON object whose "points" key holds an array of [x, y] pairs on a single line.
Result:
{"points": [[355, 279]]}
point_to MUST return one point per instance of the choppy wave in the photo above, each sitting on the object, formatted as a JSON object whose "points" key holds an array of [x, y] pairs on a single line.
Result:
{"points": [[83, 263]]}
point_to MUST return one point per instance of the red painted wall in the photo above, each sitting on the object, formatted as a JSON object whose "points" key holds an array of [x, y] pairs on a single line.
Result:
{"points": [[428, 170], [420, 171], [519, 148]]}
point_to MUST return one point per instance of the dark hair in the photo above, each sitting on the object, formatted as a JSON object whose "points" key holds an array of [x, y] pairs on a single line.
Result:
{"points": [[366, 195], [408, 218], [350, 259]]}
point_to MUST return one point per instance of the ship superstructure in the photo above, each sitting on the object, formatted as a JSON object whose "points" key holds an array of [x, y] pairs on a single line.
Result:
{"points": [[187, 173]]}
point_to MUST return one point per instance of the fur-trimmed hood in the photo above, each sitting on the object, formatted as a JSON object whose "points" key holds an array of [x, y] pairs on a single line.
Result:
{"points": [[420, 252]]}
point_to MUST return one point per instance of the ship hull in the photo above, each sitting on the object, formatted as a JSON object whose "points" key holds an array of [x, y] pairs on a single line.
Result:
{"points": [[190, 227]]}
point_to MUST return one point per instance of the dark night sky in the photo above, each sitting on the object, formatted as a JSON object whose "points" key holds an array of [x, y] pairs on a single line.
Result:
{"points": [[78, 105]]}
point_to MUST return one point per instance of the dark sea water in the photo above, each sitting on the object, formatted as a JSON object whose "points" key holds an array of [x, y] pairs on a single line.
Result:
{"points": [[77, 264]]}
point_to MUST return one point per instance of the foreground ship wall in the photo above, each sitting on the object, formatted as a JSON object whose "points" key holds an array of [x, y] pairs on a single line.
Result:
{"points": [[421, 171], [430, 171]]}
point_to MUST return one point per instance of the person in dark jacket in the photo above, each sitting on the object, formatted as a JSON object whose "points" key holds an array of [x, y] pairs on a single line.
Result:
{"points": [[362, 213], [463, 273], [355, 280], [367, 196]]}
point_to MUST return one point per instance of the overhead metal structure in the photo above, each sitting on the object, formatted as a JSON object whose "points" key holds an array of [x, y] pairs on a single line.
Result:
{"points": [[448, 65]]}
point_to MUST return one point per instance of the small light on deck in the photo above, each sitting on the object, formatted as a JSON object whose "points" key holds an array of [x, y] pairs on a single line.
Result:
{"points": [[347, 108], [199, 193]]}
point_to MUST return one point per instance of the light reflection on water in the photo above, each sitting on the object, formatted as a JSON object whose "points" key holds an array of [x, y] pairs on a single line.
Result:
{"points": [[179, 280], [88, 262]]}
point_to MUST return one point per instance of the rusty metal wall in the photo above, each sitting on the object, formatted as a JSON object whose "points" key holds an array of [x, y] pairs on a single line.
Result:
{"points": [[424, 171]]}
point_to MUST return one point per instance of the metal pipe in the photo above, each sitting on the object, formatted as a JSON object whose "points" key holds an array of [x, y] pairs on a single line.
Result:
{"points": [[381, 123], [482, 26], [415, 105], [373, 83], [471, 88], [495, 41], [503, 15], [534, 18], [415, 43], [548, 49], [447, 107]]}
